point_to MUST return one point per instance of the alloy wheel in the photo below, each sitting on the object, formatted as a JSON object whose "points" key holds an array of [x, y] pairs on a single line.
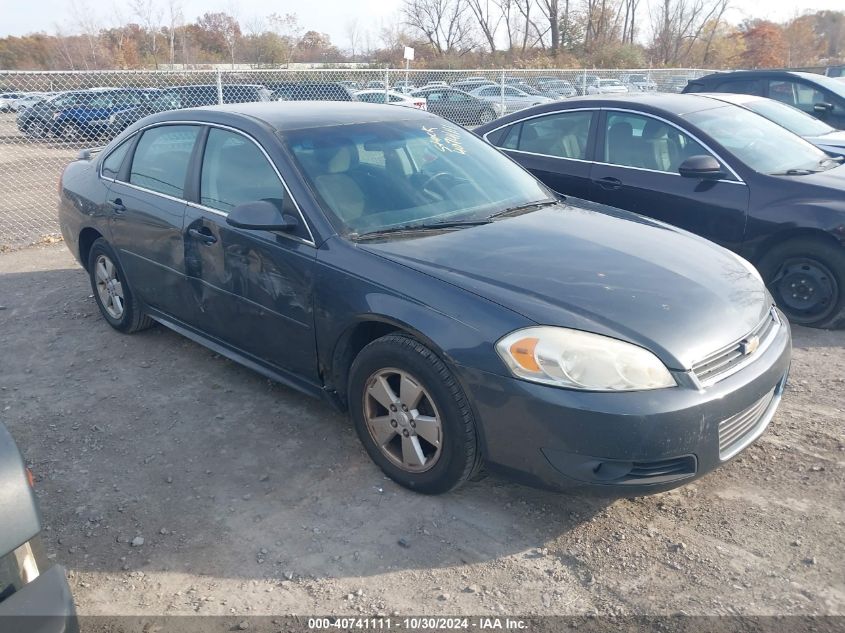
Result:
{"points": [[403, 420], [109, 287]]}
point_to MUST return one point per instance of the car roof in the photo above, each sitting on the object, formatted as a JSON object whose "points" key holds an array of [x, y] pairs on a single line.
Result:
{"points": [[736, 98], [296, 115], [667, 101]]}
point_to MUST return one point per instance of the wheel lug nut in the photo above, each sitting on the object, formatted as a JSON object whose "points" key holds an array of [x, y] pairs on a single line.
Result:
{"points": [[404, 408], [393, 407], [405, 432], [393, 423], [413, 424]]}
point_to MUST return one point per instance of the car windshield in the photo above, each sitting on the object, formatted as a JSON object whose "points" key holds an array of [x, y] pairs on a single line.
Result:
{"points": [[376, 176], [791, 118], [764, 146], [609, 82]]}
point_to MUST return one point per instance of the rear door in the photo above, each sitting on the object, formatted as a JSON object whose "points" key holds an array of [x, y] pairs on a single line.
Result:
{"points": [[636, 168], [809, 98], [252, 290], [555, 147], [148, 207]]}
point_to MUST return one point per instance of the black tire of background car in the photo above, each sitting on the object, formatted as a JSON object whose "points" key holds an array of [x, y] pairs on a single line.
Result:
{"points": [[460, 458], [72, 132], [133, 319], [830, 256]]}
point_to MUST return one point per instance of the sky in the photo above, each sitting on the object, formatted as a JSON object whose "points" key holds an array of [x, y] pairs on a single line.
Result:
{"points": [[327, 16]]}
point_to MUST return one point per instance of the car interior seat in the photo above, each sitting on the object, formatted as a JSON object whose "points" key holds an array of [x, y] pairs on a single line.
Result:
{"points": [[341, 191]]}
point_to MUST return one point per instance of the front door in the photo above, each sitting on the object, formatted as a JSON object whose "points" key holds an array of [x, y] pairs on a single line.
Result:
{"points": [[636, 168], [252, 290]]}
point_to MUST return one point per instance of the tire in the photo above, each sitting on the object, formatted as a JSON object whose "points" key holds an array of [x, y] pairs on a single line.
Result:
{"points": [[104, 270], [458, 456], [486, 116], [36, 129], [806, 277], [72, 132]]}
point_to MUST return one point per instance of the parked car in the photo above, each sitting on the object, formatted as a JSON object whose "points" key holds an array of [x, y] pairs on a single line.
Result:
{"points": [[835, 71], [149, 102], [311, 91], [404, 87], [557, 89], [75, 115], [395, 264], [391, 97], [376, 85], [198, 95], [823, 97], [350, 85], [471, 84], [818, 132], [715, 169], [436, 84], [638, 82], [606, 87], [34, 595], [7, 98], [458, 106], [584, 82], [512, 98], [28, 100]]}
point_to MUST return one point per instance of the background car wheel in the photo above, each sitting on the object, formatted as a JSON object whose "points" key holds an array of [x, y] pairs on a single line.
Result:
{"points": [[486, 116], [36, 129], [112, 292], [412, 415], [72, 132], [807, 279]]}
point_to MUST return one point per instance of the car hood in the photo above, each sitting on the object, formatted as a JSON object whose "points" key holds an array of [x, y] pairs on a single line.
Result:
{"points": [[834, 141], [608, 272]]}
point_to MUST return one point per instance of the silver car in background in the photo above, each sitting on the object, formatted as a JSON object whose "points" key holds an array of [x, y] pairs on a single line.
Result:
{"points": [[607, 87], [638, 82], [513, 98]]}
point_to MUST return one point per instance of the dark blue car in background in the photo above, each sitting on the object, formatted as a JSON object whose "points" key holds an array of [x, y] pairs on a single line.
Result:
{"points": [[398, 266], [711, 167]]}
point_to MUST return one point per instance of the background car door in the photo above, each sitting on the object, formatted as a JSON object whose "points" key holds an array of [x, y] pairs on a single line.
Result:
{"points": [[555, 148], [148, 209], [252, 290], [807, 97], [636, 168]]}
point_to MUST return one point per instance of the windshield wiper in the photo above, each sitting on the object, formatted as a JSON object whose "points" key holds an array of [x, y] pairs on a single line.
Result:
{"points": [[425, 226], [523, 207]]}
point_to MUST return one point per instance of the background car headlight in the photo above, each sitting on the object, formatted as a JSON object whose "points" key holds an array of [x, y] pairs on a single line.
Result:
{"points": [[581, 360]]}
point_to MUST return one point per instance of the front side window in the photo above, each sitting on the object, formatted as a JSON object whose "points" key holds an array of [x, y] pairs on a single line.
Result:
{"points": [[235, 171], [371, 177], [161, 159], [789, 117], [562, 135], [112, 162], [634, 140]]}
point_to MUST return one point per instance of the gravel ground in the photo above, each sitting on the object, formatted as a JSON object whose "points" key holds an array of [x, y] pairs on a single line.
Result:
{"points": [[173, 481]]}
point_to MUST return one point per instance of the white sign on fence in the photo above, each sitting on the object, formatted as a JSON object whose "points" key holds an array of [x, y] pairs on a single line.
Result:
{"points": [[409, 54]]}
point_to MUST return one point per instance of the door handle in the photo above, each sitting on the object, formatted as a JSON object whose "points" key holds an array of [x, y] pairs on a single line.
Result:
{"points": [[609, 183], [202, 235], [117, 205]]}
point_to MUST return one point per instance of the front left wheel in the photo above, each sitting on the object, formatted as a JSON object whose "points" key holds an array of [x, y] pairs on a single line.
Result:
{"points": [[112, 292], [412, 415]]}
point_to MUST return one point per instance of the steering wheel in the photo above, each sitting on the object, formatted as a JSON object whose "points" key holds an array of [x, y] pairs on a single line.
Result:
{"points": [[433, 178]]}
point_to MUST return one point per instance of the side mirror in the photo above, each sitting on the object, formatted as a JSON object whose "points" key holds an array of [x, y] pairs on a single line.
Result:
{"points": [[261, 215], [702, 167], [823, 108]]}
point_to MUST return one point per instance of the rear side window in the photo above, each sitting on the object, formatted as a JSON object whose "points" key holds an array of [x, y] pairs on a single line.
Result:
{"points": [[742, 86], [235, 171], [112, 163], [161, 159]]}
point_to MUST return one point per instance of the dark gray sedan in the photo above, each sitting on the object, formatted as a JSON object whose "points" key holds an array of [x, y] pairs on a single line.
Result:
{"points": [[398, 266], [34, 596]]}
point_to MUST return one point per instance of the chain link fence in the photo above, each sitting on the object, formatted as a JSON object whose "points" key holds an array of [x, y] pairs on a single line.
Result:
{"points": [[47, 117]]}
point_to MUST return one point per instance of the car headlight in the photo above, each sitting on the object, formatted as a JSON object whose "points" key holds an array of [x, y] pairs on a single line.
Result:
{"points": [[581, 360]]}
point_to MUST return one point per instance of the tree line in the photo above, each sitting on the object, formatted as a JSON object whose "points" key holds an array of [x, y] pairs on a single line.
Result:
{"points": [[445, 34]]}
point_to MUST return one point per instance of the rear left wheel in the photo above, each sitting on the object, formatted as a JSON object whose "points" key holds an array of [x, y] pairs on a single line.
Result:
{"points": [[112, 292]]}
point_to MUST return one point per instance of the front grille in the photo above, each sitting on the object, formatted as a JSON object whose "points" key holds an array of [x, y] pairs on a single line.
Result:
{"points": [[738, 430], [720, 363]]}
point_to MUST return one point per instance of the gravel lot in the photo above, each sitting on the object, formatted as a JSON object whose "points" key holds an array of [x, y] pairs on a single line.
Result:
{"points": [[173, 481]]}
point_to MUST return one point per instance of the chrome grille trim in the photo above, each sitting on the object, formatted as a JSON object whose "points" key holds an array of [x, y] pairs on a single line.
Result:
{"points": [[738, 431], [730, 359]]}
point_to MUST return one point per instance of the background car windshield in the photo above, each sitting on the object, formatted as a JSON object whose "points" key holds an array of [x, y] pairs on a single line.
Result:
{"points": [[371, 177], [764, 146], [791, 118]]}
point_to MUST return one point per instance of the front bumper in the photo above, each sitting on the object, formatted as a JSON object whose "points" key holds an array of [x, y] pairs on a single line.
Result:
{"points": [[45, 605], [624, 444]]}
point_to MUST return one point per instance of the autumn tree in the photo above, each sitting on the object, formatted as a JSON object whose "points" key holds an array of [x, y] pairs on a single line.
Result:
{"points": [[765, 45]]}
